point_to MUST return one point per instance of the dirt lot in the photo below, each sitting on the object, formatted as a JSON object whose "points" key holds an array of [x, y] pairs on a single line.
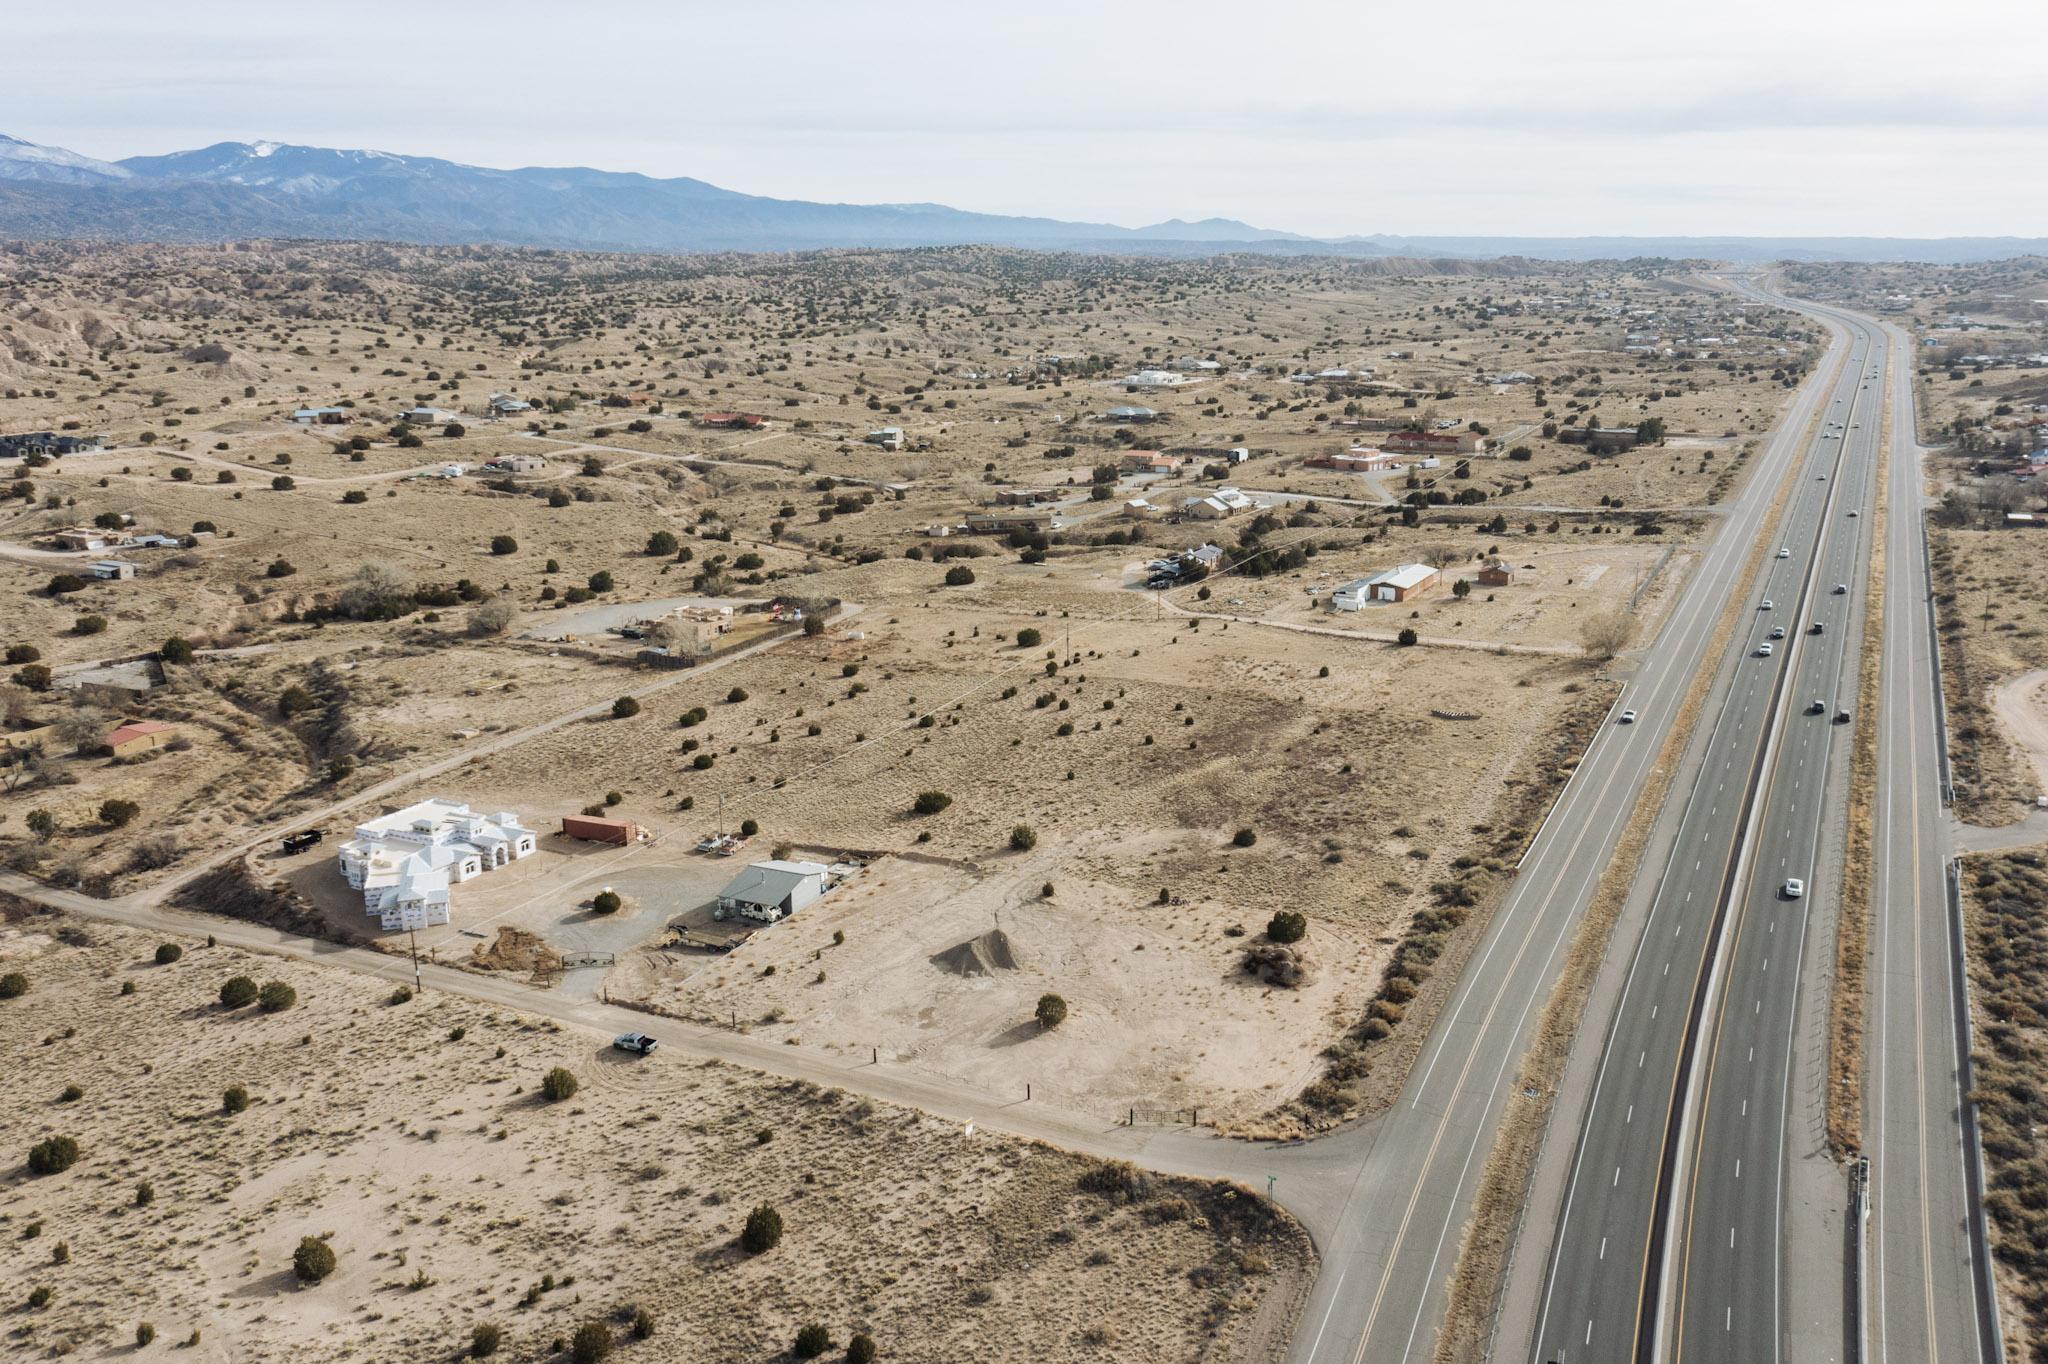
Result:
{"points": [[412, 1139], [1994, 636], [368, 621]]}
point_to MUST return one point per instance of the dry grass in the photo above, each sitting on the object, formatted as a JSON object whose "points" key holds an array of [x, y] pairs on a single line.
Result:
{"points": [[412, 1138]]}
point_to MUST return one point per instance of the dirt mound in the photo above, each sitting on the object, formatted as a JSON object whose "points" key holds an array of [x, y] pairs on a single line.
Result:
{"points": [[517, 950], [979, 956]]}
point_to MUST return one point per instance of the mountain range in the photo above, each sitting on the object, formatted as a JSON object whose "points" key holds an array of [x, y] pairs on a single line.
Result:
{"points": [[268, 189]]}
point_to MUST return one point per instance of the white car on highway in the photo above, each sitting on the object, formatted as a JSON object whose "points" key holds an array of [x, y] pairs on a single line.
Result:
{"points": [[1794, 888], [1768, 604], [1784, 552], [1763, 650], [1628, 717]]}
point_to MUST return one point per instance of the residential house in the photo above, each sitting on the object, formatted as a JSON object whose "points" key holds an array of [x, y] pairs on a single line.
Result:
{"points": [[732, 421], [1496, 573], [1209, 557], [1438, 443], [321, 416], [48, 444], [1153, 378], [504, 405], [428, 416], [138, 736], [88, 537], [1136, 416], [404, 862], [1358, 459], [768, 891], [1223, 503], [1002, 523], [1149, 462], [888, 437]]}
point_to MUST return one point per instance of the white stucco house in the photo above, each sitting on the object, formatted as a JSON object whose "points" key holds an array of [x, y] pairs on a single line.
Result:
{"points": [[404, 862]]}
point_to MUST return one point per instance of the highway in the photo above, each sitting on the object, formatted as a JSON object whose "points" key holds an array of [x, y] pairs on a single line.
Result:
{"points": [[1683, 1231], [1720, 916], [1389, 1245], [1925, 1301]]}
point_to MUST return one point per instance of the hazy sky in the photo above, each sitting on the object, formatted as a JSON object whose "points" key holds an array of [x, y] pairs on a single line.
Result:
{"points": [[1543, 117]]}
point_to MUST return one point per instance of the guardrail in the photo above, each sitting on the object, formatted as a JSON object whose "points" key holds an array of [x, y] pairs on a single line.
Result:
{"points": [[1990, 1341], [1859, 1217], [1948, 781]]}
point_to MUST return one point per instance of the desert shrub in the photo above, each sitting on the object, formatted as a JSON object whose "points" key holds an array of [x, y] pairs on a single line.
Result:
{"points": [[558, 1084], [1287, 926], [606, 902], [860, 1350], [176, 649], [504, 544], [959, 575], [1407, 637], [89, 625], [1244, 838], [237, 991], [494, 617], [592, 1342], [144, 1334], [625, 708], [661, 544], [39, 1297], [402, 995], [313, 1260], [763, 1231], [166, 953], [276, 996], [71, 1094], [145, 1194], [1023, 838], [812, 1340], [52, 1155], [931, 802], [13, 985], [735, 696], [484, 1340], [1051, 1011], [119, 813], [234, 1100], [1027, 638]]}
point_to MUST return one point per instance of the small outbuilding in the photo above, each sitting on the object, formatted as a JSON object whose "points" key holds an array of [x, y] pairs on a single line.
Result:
{"points": [[598, 829], [112, 570], [138, 736], [768, 891]]}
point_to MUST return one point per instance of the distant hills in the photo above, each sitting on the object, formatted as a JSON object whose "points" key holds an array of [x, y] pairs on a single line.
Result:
{"points": [[270, 189]]}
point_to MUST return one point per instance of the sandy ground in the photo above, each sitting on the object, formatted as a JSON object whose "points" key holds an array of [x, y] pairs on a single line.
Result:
{"points": [[412, 1139], [940, 967], [2021, 706]]}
